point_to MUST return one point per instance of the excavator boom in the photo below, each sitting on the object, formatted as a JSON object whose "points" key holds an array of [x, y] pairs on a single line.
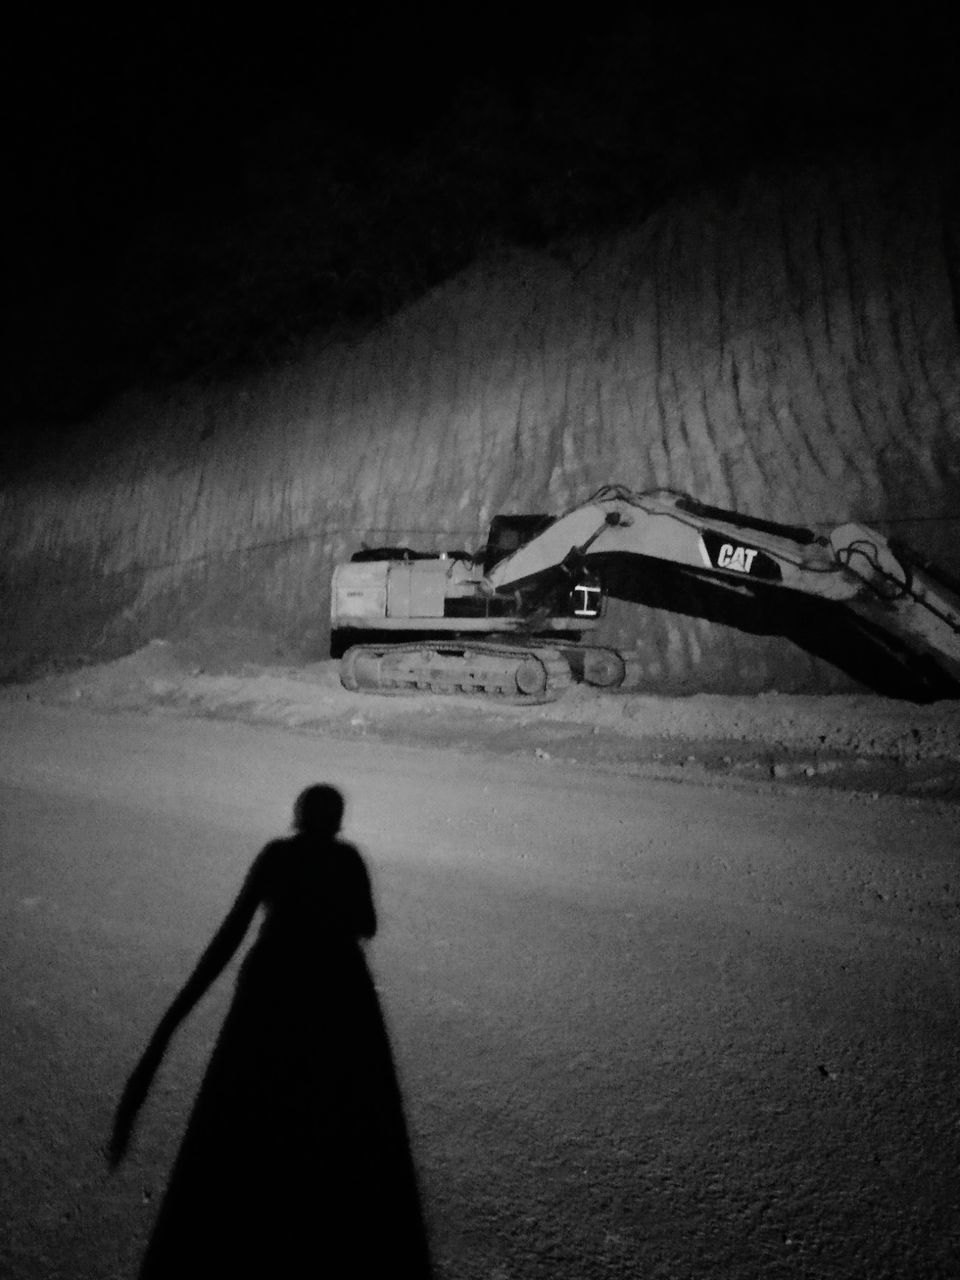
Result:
{"points": [[855, 567]]}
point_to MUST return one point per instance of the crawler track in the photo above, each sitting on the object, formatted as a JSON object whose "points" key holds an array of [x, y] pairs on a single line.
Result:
{"points": [[500, 672]]}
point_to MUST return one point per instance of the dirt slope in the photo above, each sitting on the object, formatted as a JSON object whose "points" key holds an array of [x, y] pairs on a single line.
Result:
{"points": [[787, 347]]}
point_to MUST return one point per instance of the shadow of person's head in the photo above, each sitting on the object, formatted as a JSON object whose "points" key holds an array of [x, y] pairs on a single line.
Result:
{"points": [[318, 812]]}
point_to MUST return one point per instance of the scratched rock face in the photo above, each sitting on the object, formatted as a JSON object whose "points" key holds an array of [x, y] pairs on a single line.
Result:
{"points": [[788, 349]]}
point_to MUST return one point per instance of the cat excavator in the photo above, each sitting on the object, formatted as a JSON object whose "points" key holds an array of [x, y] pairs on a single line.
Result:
{"points": [[512, 621]]}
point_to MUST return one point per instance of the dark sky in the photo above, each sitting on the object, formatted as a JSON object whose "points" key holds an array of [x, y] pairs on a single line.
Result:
{"points": [[193, 200]]}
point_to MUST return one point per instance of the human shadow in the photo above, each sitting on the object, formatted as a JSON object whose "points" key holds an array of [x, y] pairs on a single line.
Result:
{"points": [[296, 1158]]}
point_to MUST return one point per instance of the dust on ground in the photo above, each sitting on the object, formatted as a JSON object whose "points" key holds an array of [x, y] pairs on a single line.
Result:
{"points": [[859, 742]]}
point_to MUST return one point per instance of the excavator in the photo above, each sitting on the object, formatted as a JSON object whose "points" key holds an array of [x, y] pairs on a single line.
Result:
{"points": [[512, 621]]}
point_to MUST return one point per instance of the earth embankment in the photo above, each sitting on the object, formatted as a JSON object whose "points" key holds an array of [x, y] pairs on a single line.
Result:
{"points": [[848, 742], [787, 348]]}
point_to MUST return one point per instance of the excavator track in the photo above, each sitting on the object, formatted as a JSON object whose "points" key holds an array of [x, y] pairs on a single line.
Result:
{"points": [[500, 672], [604, 667]]}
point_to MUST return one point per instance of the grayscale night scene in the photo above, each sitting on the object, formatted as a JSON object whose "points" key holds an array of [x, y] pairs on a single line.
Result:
{"points": [[480, 658]]}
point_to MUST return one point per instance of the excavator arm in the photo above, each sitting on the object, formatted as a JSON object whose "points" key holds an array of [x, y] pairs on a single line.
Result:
{"points": [[897, 595]]}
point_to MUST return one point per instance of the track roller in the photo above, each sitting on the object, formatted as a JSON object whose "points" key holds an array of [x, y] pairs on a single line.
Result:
{"points": [[499, 672], [603, 667]]}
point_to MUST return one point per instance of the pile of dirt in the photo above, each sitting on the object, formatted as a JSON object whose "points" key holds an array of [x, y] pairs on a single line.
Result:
{"points": [[864, 742]]}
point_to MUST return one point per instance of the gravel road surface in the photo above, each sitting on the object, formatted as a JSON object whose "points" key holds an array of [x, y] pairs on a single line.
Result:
{"points": [[643, 1027]]}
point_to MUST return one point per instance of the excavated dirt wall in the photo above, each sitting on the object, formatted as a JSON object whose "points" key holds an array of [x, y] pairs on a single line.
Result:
{"points": [[788, 348]]}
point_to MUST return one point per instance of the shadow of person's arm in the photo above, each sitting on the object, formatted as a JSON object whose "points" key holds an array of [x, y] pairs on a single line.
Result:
{"points": [[366, 911], [211, 964]]}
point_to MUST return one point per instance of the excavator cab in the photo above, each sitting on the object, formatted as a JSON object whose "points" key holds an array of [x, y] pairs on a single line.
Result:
{"points": [[509, 534]]}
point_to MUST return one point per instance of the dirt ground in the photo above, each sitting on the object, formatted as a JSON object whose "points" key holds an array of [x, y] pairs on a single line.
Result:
{"points": [[671, 984], [861, 743]]}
